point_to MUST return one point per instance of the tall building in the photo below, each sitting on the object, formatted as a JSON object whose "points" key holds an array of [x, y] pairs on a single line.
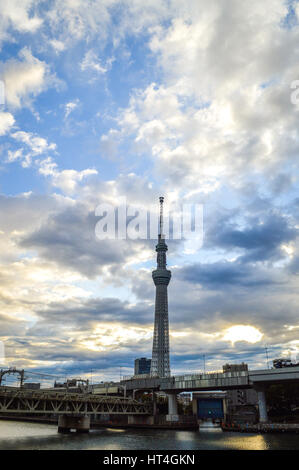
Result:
{"points": [[161, 276], [142, 365]]}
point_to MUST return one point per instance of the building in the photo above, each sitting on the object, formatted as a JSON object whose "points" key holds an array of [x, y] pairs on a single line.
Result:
{"points": [[160, 366], [31, 386], [242, 405], [234, 367], [73, 385], [142, 365]]}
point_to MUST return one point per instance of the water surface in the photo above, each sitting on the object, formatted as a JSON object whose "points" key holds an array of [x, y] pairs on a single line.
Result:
{"points": [[37, 436]]}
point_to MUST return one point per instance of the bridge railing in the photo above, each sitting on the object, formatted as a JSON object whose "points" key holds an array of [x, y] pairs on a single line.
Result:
{"points": [[192, 375], [199, 375], [139, 376]]}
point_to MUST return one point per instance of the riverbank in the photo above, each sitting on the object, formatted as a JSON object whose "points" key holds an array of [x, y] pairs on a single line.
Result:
{"points": [[189, 425], [263, 428], [259, 428], [32, 419]]}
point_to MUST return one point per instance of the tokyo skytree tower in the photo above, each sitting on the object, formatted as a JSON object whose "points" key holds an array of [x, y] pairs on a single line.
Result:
{"points": [[160, 365]]}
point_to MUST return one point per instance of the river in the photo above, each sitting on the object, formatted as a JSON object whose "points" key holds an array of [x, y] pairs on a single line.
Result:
{"points": [[37, 436]]}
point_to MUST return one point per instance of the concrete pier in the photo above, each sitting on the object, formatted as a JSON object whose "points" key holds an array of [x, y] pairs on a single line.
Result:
{"points": [[172, 408], [141, 420], [262, 404], [80, 424]]}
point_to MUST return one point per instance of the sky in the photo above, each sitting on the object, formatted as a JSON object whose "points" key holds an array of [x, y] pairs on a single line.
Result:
{"points": [[111, 99]]}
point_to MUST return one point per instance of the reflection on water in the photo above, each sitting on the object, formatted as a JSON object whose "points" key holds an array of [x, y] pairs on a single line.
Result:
{"points": [[18, 435]]}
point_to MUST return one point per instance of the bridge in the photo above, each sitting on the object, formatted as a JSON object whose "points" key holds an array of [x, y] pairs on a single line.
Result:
{"points": [[73, 409], [212, 381]]}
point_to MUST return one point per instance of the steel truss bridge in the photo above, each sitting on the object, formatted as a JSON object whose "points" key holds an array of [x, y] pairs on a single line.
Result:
{"points": [[47, 402]]}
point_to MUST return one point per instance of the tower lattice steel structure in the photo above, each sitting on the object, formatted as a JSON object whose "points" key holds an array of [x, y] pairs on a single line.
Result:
{"points": [[160, 365]]}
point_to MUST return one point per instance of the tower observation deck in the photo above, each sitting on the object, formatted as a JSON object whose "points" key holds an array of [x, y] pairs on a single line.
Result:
{"points": [[160, 365]]}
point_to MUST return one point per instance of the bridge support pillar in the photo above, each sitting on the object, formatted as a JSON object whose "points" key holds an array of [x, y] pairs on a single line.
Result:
{"points": [[154, 404], [261, 396], [68, 422], [141, 420], [172, 408]]}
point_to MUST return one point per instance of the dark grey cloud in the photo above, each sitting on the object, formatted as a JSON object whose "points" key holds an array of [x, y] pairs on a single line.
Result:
{"points": [[83, 312], [223, 274], [10, 326], [68, 239], [259, 240], [18, 212], [294, 266]]}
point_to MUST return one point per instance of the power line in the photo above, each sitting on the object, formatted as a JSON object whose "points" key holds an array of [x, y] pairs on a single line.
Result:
{"points": [[41, 374]]}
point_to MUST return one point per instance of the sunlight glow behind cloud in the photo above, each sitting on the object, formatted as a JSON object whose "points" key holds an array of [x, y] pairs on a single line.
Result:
{"points": [[247, 333]]}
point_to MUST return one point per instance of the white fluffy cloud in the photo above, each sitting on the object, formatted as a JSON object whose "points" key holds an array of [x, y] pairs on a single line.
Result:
{"points": [[92, 62], [35, 145], [6, 122], [66, 180], [25, 78], [222, 109], [70, 107], [18, 15]]}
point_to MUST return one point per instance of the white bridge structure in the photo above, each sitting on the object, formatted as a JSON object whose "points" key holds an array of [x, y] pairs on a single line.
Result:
{"points": [[73, 409]]}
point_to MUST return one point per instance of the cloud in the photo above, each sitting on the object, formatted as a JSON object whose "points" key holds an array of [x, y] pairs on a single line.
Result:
{"points": [[262, 238], [86, 20], [25, 78], [74, 21], [70, 107], [35, 145], [69, 239], [18, 16], [229, 274], [81, 313], [92, 64], [6, 122], [67, 180], [38, 145], [222, 110], [202, 114], [57, 45]]}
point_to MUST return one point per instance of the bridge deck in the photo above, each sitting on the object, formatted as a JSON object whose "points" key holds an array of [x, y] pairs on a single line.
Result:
{"points": [[214, 380], [49, 402]]}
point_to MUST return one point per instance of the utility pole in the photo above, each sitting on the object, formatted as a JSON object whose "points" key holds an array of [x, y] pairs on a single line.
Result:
{"points": [[90, 376], [266, 349], [204, 363]]}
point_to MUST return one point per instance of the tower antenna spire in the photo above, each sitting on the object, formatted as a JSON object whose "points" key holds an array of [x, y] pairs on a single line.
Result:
{"points": [[161, 199]]}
